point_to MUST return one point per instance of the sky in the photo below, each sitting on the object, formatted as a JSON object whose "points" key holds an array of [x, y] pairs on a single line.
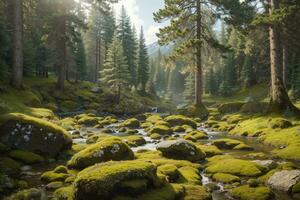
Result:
{"points": [[141, 14]]}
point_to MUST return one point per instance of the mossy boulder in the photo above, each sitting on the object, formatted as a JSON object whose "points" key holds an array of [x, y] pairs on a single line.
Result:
{"points": [[170, 171], [10, 166], [226, 143], [253, 107], [26, 157], [131, 123], [194, 136], [105, 150], [230, 107], [196, 192], [249, 193], [155, 136], [189, 175], [89, 121], [64, 193], [54, 185], [29, 194], [27, 133], [210, 150], [153, 119], [51, 176], [280, 123], [180, 150], [179, 129], [163, 123], [243, 147], [161, 130], [179, 120], [134, 140], [103, 181], [225, 178], [238, 167]]}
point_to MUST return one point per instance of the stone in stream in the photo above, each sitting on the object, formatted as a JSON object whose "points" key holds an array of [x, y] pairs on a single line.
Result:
{"points": [[269, 164], [23, 132], [284, 180], [181, 150]]}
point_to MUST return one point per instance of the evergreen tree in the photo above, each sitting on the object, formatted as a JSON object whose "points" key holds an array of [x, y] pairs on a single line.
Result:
{"points": [[211, 84], [247, 73], [189, 91], [80, 60], [143, 63], [228, 80], [115, 74], [126, 35]]}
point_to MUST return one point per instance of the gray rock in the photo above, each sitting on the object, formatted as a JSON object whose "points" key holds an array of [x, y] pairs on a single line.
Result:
{"points": [[269, 164], [284, 180], [180, 149]]}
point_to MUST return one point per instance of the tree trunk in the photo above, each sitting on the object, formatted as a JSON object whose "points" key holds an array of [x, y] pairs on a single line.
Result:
{"points": [[284, 64], [198, 77], [17, 76], [280, 101], [61, 52], [97, 58]]}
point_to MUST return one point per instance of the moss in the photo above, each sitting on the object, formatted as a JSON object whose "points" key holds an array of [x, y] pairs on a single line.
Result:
{"points": [[134, 140], [254, 107], [243, 147], [155, 136], [64, 193], [130, 123], [179, 120], [170, 171], [194, 136], [131, 132], [230, 107], [33, 134], [68, 105], [160, 129], [153, 119], [168, 192], [26, 157], [196, 192], [61, 169], [105, 150], [181, 150], [234, 166], [179, 129], [195, 111], [51, 176], [248, 193], [210, 150], [280, 123], [89, 121], [146, 125], [134, 186], [266, 176], [99, 181], [253, 182], [163, 123], [189, 175], [54, 185], [68, 122], [226, 143], [10, 166], [29, 194], [225, 178], [291, 152], [296, 188]]}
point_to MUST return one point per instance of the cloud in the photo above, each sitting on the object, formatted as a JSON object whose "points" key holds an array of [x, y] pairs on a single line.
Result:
{"points": [[132, 9], [150, 33]]}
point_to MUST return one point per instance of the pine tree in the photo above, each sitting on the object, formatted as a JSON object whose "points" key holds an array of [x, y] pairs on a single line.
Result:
{"points": [[247, 72], [115, 74], [126, 35], [211, 84], [80, 60], [228, 80], [143, 63], [189, 92]]}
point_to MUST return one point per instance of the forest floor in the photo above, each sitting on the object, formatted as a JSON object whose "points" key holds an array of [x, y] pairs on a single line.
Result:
{"points": [[78, 145]]}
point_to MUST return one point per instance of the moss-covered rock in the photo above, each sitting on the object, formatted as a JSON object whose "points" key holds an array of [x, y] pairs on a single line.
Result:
{"points": [[155, 136], [30, 194], [249, 193], [102, 181], [10, 166], [163, 123], [61, 169], [27, 133], [170, 171], [226, 143], [200, 111], [153, 119], [131, 123], [189, 175], [146, 125], [280, 123], [54, 185], [179, 120], [225, 178], [234, 166], [254, 107], [161, 130], [196, 192], [51, 176], [194, 136], [134, 140], [210, 150], [243, 147], [26, 157], [105, 150], [181, 150], [179, 129], [296, 188], [89, 121], [64, 193]]}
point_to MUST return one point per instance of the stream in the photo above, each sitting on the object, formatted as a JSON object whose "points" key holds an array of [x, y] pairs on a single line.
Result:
{"points": [[33, 175]]}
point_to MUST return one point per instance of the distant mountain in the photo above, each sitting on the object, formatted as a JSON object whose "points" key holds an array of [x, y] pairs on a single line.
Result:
{"points": [[154, 48]]}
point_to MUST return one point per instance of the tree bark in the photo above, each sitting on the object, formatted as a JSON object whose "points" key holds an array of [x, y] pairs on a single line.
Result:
{"points": [[17, 75], [284, 64], [280, 101], [61, 52], [198, 77], [97, 59]]}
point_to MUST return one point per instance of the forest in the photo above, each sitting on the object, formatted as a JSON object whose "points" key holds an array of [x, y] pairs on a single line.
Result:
{"points": [[150, 100]]}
